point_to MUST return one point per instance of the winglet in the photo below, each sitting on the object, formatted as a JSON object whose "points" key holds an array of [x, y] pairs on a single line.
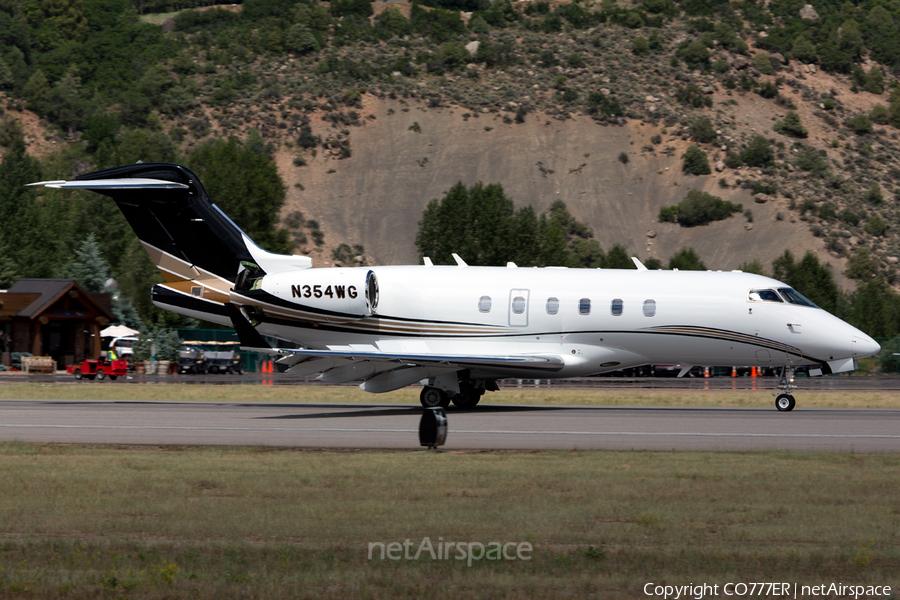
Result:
{"points": [[459, 261], [427, 261], [640, 266], [247, 334]]}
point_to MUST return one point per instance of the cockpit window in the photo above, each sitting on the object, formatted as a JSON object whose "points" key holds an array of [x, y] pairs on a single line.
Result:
{"points": [[794, 297], [764, 296]]}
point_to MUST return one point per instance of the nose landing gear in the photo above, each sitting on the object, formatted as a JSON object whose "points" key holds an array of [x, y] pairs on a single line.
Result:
{"points": [[785, 402]]}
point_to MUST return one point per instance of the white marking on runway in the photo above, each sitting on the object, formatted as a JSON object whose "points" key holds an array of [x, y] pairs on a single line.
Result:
{"points": [[464, 431]]}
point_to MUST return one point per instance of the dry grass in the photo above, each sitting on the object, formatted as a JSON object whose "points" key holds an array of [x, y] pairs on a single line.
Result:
{"points": [[543, 396], [223, 522]]}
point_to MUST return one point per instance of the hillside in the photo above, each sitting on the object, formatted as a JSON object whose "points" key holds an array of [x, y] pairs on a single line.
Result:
{"points": [[371, 110]]}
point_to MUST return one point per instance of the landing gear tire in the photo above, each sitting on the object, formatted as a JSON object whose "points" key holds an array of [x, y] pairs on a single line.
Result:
{"points": [[785, 402], [467, 398], [432, 397]]}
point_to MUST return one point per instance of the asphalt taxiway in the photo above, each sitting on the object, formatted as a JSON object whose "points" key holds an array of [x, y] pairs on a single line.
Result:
{"points": [[486, 427]]}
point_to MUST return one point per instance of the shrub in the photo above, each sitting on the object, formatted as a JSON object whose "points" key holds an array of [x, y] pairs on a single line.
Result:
{"points": [[876, 226], [640, 46], [694, 54], [850, 217], [791, 126], [702, 131], [860, 124], [699, 208], [809, 159], [695, 162], [692, 95], [733, 160], [762, 63], [827, 211], [758, 153]]}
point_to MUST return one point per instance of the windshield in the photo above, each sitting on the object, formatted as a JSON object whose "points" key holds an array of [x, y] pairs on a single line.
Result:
{"points": [[794, 297], [764, 296]]}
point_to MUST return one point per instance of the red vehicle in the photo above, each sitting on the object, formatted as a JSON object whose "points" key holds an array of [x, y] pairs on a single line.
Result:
{"points": [[96, 369]]}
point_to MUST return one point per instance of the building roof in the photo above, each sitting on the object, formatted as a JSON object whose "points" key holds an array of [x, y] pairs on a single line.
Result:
{"points": [[48, 291]]}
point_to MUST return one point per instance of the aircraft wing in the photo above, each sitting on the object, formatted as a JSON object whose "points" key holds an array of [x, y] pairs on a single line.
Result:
{"points": [[383, 371]]}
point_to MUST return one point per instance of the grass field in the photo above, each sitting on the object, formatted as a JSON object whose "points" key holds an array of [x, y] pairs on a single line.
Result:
{"points": [[101, 522], [545, 396]]}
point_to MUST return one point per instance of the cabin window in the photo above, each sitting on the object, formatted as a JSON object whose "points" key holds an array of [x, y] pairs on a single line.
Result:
{"points": [[764, 296], [649, 308], [518, 305], [584, 306], [484, 304], [552, 306], [196, 290], [616, 307], [794, 297]]}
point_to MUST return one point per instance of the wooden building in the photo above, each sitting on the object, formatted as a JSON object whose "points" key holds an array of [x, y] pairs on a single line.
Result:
{"points": [[53, 317]]}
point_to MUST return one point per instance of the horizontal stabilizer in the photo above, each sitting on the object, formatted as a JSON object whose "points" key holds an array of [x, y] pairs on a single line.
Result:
{"points": [[114, 184]]}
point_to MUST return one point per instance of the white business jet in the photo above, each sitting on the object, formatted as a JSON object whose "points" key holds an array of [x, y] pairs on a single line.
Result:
{"points": [[458, 329]]}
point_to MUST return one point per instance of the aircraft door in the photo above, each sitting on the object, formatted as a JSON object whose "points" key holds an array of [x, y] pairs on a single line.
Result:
{"points": [[518, 308]]}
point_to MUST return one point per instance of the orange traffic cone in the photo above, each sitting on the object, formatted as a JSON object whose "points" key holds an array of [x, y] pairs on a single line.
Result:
{"points": [[752, 371], [706, 372], [734, 371]]}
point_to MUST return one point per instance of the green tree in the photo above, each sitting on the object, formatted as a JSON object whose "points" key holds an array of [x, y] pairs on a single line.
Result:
{"points": [[694, 53], [699, 208], [809, 277], [876, 226], [9, 272], [686, 259], [860, 266], [804, 50], [617, 258], [874, 81], [640, 46], [861, 124], [300, 39], [243, 180], [754, 266], [475, 223], [88, 267], [810, 159], [791, 126], [695, 162], [27, 231], [875, 308], [703, 131], [758, 153]]}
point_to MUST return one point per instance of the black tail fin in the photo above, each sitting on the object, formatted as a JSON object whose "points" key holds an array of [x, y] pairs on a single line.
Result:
{"points": [[187, 236]]}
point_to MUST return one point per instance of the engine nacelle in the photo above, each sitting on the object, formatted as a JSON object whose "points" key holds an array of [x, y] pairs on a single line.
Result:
{"points": [[350, 292]]}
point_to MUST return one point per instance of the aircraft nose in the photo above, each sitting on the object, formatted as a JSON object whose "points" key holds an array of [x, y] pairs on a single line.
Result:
{"points": [[864, 346]]}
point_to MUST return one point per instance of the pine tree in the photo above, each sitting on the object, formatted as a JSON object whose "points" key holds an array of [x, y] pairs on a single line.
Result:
{"points": [[88, 268], [686, 259]]}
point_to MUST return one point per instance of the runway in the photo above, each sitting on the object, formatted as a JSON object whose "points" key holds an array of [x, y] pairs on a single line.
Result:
{"points": [[487, 427]]}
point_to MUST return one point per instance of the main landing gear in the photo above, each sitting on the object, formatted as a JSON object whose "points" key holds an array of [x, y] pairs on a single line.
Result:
{"points": [[785, 401], [469, 395]]}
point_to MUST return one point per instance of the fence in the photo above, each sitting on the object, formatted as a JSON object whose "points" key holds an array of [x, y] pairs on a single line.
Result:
{"points": [[886, 361]]}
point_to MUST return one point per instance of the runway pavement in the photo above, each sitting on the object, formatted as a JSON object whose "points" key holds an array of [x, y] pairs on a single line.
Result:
{"points": [[487, 427]]}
